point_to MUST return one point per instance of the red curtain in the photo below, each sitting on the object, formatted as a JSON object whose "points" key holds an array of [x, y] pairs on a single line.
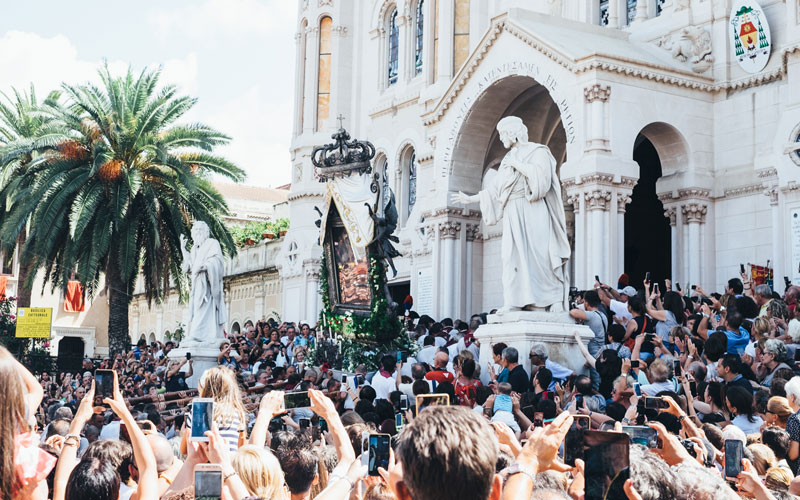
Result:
{"points": [[73, 301]]}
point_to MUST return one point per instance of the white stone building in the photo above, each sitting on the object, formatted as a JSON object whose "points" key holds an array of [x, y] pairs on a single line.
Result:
{"points": [[666, 145]]}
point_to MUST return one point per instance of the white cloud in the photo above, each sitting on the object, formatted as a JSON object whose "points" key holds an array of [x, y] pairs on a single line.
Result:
{"points": [[47, 62], [261, 130], [236, 18]]}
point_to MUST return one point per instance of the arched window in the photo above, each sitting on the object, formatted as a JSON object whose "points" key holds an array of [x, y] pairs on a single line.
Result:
{"points": [[412, 182], [461, 34], [394, 46], [419, 38], [302, 76], [324, 73]]}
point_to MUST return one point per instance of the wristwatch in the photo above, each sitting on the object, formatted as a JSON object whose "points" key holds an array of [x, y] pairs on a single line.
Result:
{"points": [[521, 469]]}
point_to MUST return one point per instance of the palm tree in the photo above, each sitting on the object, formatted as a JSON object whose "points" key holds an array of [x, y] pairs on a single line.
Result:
{"points": [[112, 195], [23, 129]]}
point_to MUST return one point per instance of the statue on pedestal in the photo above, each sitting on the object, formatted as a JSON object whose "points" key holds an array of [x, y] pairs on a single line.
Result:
{"points": [[526, 194], [205, 266]]}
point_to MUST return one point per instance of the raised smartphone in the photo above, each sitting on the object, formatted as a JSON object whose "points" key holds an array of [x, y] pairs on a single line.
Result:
{"points": [[379, 446], [202, 415], [607, 459], [207, 482]]}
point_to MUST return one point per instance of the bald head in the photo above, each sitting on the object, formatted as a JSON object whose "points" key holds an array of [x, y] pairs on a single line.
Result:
{"points": [[162, 450], [441, 359]]}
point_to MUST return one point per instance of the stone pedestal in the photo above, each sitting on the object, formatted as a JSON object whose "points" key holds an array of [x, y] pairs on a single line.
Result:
{"points": [[203, 358], [520, 329]]}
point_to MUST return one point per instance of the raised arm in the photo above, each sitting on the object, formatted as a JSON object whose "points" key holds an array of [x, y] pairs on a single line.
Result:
{"points": [[590, 361], [69, 453], [324, 407], [269, 407]]}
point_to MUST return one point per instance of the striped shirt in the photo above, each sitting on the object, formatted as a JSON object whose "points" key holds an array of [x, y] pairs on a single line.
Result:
{"points": [[229, 432]]}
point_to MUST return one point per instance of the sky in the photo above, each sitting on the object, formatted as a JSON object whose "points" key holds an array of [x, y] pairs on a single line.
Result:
{"points": [[235, 56]]}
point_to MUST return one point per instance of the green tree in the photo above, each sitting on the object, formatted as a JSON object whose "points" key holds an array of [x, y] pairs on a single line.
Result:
{"points": [[112, 195], [24, 128]]}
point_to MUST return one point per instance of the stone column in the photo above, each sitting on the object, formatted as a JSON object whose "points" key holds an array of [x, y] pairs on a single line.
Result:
{"points": [[694, 215], [437, 268], [777, 236], [446, 32], [580, 238], [473, 232], [614, 14], [449, 232], [597, 204], [641, 11], [622, 200], [671, 214], [597, 98]]}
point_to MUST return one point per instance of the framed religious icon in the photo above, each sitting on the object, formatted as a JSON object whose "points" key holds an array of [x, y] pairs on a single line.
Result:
{"points": [[348, 275]]}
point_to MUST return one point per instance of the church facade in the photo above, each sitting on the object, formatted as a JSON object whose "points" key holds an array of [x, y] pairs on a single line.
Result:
{"points": [[677, 154]]}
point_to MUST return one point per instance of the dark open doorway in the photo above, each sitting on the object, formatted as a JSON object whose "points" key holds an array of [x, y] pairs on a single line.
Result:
{"points": [[647, 230], [70, 354], [399, 291]]}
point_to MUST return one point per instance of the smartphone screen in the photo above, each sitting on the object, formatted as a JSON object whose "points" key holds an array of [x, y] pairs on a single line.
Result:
{"points": [[693, 388], [635, 363], [323, 425], [637, 389], [734, 452], [538, 419], [649, 337], [398, 421], [207, 484], [344, 379], [188, 355], [647, 276], [202, 415], [694, 287], [642, 435], [606, 455], [379, 445], [296, 400], [597, 278], [655, 403], [426, 400], [578, 402], [104, 383], [403, 402], [305, 423], [741, 270], [676, 368], [677, 286], [573, 442], [399, 357]]}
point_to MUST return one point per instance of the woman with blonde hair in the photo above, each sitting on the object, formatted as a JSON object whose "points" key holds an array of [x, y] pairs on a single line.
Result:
{"points": [[763, 458], [778, 478], [219, 383], [22, 395], [260, 472], [778, 411]]}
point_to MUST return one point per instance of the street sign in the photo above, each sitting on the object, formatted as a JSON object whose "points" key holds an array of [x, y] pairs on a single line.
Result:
{"points": [[34, 322]]}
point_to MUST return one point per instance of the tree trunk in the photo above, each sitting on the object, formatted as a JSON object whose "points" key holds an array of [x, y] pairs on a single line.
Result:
{"points": [[119, 340], [23, 292]]}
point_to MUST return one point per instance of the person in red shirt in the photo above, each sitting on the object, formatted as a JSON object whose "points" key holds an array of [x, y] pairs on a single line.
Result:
{"points": [[439, 373]]}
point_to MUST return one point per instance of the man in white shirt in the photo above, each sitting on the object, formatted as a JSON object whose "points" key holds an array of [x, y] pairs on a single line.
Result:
{"points": [[385, 381], [616, 300], [426, 354]]}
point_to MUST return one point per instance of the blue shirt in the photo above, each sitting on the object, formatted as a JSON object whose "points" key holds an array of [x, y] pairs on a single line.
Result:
{"points": [[737, 341]]}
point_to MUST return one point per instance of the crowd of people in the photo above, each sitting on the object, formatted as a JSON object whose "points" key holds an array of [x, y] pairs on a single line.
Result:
{"points": [[702, 370]]}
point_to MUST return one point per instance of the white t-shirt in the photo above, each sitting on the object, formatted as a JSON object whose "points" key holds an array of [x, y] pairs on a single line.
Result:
{"points": [[110, 431], [620, 309], [383, 386], [426, 354]]}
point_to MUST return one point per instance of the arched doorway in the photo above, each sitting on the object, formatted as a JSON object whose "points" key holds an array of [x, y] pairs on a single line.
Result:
{"points": [[70, 354], [477, 154], [647, 230]]}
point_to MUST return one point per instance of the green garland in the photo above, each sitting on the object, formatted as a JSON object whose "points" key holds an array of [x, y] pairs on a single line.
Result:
{"points": [[363, 338]]}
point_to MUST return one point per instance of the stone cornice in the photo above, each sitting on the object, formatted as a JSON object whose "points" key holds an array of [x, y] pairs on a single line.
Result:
{"points": [[305, 194], [767, 173], [743, 191], [449, 212], [637, 69], [391, 105], [692, 193]]}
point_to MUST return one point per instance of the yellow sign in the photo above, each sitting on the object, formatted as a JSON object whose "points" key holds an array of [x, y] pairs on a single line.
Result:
{"points": [[34, 322]]}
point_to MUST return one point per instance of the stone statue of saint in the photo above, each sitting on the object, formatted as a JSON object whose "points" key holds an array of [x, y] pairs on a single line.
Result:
{"points": [[526, 194], [205, 266]]}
